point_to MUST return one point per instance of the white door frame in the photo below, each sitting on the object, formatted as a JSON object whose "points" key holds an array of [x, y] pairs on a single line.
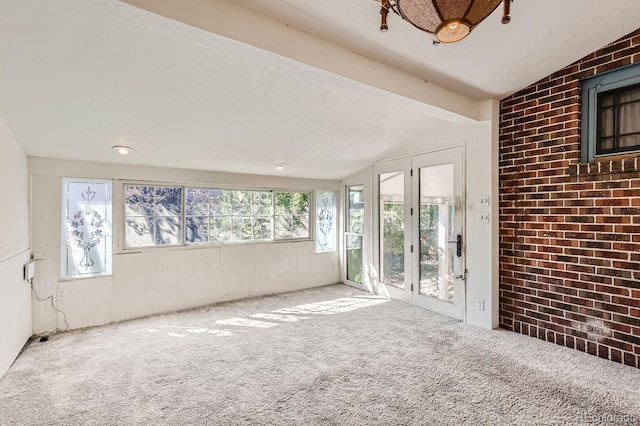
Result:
{"points": [[410, 165]]}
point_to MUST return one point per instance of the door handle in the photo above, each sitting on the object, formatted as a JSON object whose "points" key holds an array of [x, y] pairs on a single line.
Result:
{"points": [[458, 243]]}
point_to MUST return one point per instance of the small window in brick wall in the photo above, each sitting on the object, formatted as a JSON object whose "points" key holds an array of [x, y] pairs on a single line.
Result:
{"points": [[611, 113]]}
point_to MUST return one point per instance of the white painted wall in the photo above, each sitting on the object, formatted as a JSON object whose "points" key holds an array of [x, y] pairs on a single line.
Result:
{"points": [[157, 280], [480, 141], [15, 303]]}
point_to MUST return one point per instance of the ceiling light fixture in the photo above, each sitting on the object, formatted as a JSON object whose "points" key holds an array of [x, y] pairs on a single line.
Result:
{"points": [[280, 166], [122, 150], [447, 20]]}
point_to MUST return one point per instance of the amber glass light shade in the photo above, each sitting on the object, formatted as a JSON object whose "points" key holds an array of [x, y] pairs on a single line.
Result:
{"points": [[448, 20]]}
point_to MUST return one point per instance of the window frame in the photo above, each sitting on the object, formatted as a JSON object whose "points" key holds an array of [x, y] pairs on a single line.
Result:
{"points": [[336, 197], [183, 244], [109, 236], [592, 87], [310, 215], [349, 232], [153, 185], [231, 215]]}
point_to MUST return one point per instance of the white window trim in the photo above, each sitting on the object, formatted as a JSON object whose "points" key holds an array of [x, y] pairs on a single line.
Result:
{"points": [[183, 245]]}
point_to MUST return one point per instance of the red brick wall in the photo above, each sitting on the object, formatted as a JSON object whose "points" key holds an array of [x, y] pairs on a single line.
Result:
{"points": [[569, 232]]}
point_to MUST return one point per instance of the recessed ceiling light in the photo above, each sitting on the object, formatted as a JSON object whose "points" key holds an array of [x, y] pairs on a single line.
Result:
{"points": [[122, 150], [280, 166]]}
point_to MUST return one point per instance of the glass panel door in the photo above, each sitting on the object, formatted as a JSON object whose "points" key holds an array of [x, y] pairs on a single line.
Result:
{"points": [[393, 225], [354, 233], [436, 275], [392, 233], [439, 258], [419, 241]]}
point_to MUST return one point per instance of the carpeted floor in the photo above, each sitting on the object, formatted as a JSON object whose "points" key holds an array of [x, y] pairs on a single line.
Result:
{"points": [[329, 356]]}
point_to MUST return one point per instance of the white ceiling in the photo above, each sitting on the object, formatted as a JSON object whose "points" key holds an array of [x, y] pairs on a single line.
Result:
{"points": [[79, 76], [496, 60]]}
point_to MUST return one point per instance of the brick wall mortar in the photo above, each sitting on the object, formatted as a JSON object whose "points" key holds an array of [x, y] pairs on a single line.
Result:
{"points": [[569, 232]]}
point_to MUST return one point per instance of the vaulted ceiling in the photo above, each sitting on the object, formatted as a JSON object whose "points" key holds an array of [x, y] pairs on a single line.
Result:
{"points": [[241, 85]]}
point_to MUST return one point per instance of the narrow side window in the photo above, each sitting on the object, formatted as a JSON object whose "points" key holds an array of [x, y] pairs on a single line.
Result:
{"points": [[325, 221], [86, 228]]}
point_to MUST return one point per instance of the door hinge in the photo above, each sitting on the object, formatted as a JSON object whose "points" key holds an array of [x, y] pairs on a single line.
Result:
{"points": [[411, 286], [411, 172], [411, 248], [411, 211]]}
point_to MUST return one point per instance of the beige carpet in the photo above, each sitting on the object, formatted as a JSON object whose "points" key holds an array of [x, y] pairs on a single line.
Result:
{"points": [[329, 356]]}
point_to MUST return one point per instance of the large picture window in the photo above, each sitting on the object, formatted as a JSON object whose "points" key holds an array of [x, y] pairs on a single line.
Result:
{"points": [[156, 215], [153, 215], [86, 228], [611, 113]]}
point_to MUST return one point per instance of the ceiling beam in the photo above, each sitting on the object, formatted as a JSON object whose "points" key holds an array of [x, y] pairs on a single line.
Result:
{"points": [[232, 21]]}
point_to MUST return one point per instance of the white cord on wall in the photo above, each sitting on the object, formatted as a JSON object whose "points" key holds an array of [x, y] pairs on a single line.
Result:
{"points": [[57, 329]]}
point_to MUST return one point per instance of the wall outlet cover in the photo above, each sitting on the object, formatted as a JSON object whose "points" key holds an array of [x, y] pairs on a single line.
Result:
{"points": [[483, 200]]}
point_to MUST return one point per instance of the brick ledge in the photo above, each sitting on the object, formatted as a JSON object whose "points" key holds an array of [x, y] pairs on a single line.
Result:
{"points": [[603, 167]]}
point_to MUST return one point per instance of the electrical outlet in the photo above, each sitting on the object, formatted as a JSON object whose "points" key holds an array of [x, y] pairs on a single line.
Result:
{"points": [[483, 217], [480, 305], [61, 295]]}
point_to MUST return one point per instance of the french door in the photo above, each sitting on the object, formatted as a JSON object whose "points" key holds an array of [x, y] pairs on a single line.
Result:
{"points": [[419, 223]]}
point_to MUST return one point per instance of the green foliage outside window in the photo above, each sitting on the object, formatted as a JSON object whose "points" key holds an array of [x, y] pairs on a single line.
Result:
{"points": [[153, 215], [291, 215], [215, 215]]}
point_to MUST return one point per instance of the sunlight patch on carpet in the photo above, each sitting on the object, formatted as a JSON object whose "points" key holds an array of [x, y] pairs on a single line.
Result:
{"points": [[332, 307], [244, 322], [280, 317], [283, 315], [190, 330]]}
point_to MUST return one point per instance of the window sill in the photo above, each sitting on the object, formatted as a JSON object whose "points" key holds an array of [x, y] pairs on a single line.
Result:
{"points": [[607, 165], [207, 245], [84, 277]]}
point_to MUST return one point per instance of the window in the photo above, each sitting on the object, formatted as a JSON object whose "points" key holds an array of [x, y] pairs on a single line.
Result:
{"points": [[214, 215], [86, 228], [153, 215], [291, 215], [325, 221], [618, 121], [354, 233], [611, 113]]}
